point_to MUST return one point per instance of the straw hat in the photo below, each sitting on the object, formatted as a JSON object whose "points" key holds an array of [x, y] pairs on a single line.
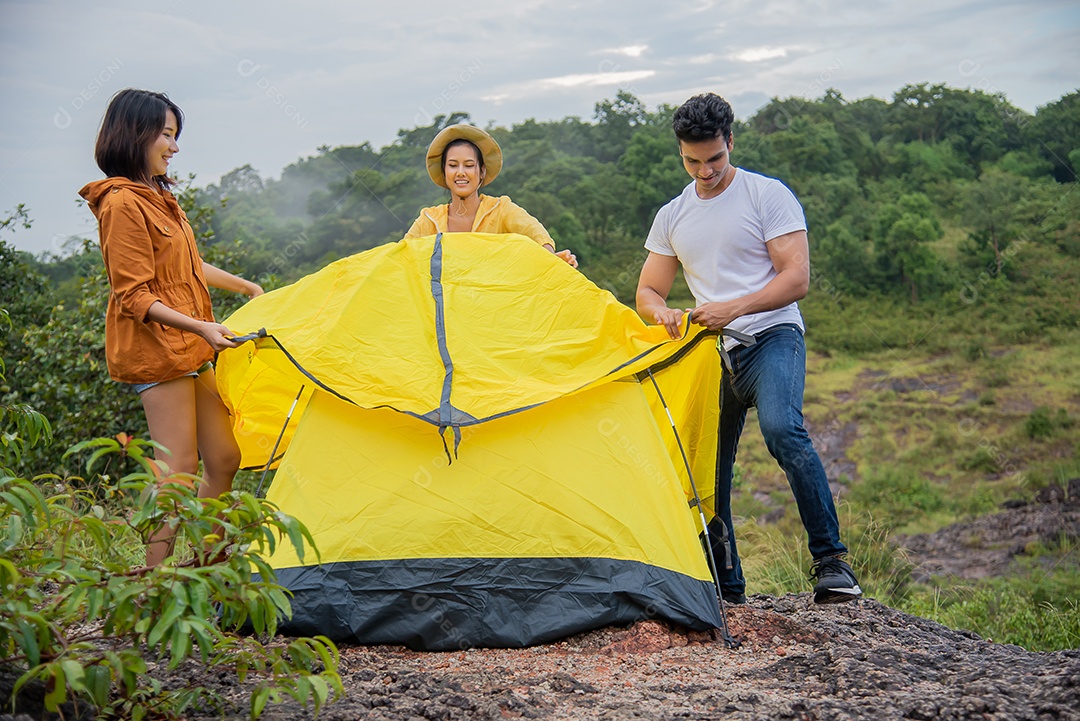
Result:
{"points": [[489, 149]]}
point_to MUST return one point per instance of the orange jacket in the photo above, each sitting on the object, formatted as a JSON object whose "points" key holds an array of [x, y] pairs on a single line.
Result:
{"points": [[495, 215], [150, 255]]}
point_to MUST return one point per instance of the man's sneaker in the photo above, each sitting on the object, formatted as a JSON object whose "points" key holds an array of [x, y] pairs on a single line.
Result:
{"points": [[733, 599], [836, 582]]}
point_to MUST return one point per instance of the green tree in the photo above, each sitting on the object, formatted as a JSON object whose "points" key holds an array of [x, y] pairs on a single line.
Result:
{"points": [[870, 115], [924, 164], [990, 207], [1025, 163], [24, 292], [841, 258], [652, 163], [811, 148], [1054, 133], [979, 126], [616, 122], [903, 235], [368, 209]]}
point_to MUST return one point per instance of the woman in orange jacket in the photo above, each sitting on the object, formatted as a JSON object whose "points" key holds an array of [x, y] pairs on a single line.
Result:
{"points": [[463, 158], [160, 333]]}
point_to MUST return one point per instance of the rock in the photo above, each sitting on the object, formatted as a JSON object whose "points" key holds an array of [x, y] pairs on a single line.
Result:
{"points": [[1051, 494], [906, 385], [770, 517], [985, 546]]}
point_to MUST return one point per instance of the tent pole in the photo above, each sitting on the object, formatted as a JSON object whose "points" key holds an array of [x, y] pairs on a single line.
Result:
{"points": [[729, 641], [270, 460]]}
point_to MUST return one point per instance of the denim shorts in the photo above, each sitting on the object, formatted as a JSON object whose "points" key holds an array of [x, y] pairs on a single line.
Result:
{"points": [[140, 387]]}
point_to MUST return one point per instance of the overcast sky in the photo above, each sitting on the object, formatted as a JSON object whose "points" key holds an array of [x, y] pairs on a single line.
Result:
{"points": [[267, 83]]}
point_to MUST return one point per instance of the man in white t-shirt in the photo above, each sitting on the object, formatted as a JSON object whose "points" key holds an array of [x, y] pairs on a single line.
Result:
{"points": [[741, 240]]}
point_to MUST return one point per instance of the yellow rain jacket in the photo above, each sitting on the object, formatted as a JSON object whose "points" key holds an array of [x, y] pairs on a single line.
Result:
{"points": [[495, 215]]}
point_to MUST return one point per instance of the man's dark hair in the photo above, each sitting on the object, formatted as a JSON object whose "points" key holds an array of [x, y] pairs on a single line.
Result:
{"points": [[134, 119], [703, 117]]}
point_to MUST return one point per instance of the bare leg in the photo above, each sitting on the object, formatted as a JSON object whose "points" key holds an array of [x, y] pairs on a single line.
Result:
{"points": [[170, 413], [217, 445]]}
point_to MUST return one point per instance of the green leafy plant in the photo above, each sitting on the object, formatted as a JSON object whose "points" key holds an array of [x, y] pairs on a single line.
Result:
{"points": [[79, 615], [20, 425], [897, 494]]}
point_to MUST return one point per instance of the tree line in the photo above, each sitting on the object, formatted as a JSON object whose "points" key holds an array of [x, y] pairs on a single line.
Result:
{"points": [[941, 203]]}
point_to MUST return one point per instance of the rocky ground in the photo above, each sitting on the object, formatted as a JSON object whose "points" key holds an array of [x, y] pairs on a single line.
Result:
{"points": [[797, 661], [985, 546], [860, 660]]}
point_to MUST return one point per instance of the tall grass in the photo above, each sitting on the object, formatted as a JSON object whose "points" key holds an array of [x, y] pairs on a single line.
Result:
{"points": [[776, 561]]}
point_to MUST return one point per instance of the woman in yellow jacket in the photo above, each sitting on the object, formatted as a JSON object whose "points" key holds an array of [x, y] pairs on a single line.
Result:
{"points": [[160, 333], [463, 158]]}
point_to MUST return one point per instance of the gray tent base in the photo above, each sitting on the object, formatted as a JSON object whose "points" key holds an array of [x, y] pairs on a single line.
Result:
{"points": [[444, 604]]}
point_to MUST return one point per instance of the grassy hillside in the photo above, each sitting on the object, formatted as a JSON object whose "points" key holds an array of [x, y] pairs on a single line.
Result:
{"points": [[942, 435], [915, 441]]}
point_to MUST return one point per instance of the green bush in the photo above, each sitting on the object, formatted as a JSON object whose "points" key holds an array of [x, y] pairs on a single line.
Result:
{"points": [[21, 426], [982, 459], [1037, 609], [1044, 424], [80, 615], [63, 375], [897, 495], [974, 349], [978, 501]]}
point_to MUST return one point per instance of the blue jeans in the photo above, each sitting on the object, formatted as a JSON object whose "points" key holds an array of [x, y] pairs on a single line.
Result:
{"points": [[770, 375]]}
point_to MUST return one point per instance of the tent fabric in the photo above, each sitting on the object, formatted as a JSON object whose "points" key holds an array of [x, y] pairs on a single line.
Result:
{"points": [[525, 329], [562, 504], [509, 545]]}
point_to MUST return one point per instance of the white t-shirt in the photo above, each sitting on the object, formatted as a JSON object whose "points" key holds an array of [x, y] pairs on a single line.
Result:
{"points": [[721, 243]]}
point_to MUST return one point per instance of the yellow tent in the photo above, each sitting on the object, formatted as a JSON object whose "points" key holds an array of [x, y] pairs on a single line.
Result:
{"points": [[478, 447]]}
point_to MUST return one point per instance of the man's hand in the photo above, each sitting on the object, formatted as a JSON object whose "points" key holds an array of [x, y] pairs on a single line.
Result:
{"points": [[654, 284], [716, 316], [670, 318]]}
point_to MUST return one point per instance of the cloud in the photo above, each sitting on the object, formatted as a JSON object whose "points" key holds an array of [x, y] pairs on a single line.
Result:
{"points": [[630, 51], [597, 79], [706, 59], [563, 82], [266, 84], [756, 55]]}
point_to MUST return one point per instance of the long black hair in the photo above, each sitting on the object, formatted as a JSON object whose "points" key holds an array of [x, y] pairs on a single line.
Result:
{"points": [[132, 121]]}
